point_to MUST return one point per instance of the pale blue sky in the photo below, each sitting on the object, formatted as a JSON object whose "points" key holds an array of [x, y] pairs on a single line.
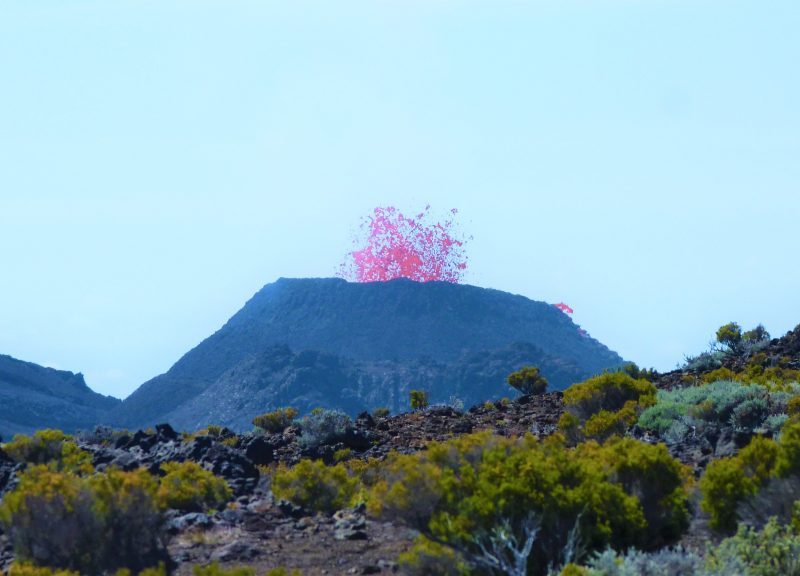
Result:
{"points": [[161, 160]]}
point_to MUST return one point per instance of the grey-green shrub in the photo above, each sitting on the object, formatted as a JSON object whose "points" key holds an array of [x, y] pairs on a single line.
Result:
{"points": [[771, 551], [747, 407], [667, 562], [323, 427]]}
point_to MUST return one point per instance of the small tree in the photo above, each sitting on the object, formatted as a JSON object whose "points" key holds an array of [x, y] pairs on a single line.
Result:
{"points": [[528, 380], [419, 399], [276, 421], [730, 336], [756, 335]]}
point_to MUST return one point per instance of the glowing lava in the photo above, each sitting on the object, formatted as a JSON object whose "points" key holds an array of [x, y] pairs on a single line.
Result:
{"points": [[392, 245]]}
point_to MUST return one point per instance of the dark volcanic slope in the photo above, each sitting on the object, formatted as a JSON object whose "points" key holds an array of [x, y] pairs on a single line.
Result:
{"points": [[33, 397], [370, 328], [306, 380]]}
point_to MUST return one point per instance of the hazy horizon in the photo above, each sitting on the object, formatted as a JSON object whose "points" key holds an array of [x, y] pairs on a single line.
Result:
{"points": [[160, 162]]}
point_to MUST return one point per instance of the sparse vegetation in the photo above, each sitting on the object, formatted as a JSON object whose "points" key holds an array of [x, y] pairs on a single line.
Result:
{"points": [[50, 447], [683, 411], [315, 486], [418, 399], [381, 412], [275, 421], [528, 380], [86, 524], [189, 487], [460, 493], [587, 499], [322, 427], [604, 406]]}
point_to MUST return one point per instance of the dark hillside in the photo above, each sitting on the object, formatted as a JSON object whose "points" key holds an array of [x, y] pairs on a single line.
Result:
{"points": [[371, 333], [33, 397], [309, 379]]}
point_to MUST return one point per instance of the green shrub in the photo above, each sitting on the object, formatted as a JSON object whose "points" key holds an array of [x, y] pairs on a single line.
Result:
{"points": [[727, 482], [575, 570], [730, 336], [418, 399], [658, 481], [91, 525], [773, 550], [750, 414], [313, 485], [757, 334], [604, 406], [214, 569], [793, 406], [189, 487], [52, 448], [604, 424], [428, 558], [610, 391], [667, 562], [125, 503], [570, 427], [323, 427], [465, 491], [528, 380], [26, 569], [275, 421], [381, 412], [704, 362], [282, 572], [632, 370], [773, 377], [788, 461], [747, 407]]}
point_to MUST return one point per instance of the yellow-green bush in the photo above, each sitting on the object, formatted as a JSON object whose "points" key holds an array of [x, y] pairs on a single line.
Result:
{"points": [[610, 391], [126, 504], [159, 570], [773, 550], [788, 461], [189, 487], [381, 412], [26, 569], [624, 493], [528, 380], [50, 447], [214, 569], [728, 481], [428, 558], [88, 524], [275, 421], [759, 370], [418, 399], [604, 406], [720, 374], [313, 485], [604, 424], [574, 570]]}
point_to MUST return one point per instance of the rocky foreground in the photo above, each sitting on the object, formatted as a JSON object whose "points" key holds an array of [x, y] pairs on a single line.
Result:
{"points": [[259, 531], [264, 533]]}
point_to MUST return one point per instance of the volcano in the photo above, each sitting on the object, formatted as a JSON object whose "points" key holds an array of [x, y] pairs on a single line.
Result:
{"points": [[326, 342]]}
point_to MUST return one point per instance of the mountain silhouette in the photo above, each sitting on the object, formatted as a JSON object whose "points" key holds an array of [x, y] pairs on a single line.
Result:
{"points": [[34, 397], [334, 344]]}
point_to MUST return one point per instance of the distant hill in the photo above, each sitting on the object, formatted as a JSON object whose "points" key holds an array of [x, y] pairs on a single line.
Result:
{"points": [[331, 343], [33, 397]]}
